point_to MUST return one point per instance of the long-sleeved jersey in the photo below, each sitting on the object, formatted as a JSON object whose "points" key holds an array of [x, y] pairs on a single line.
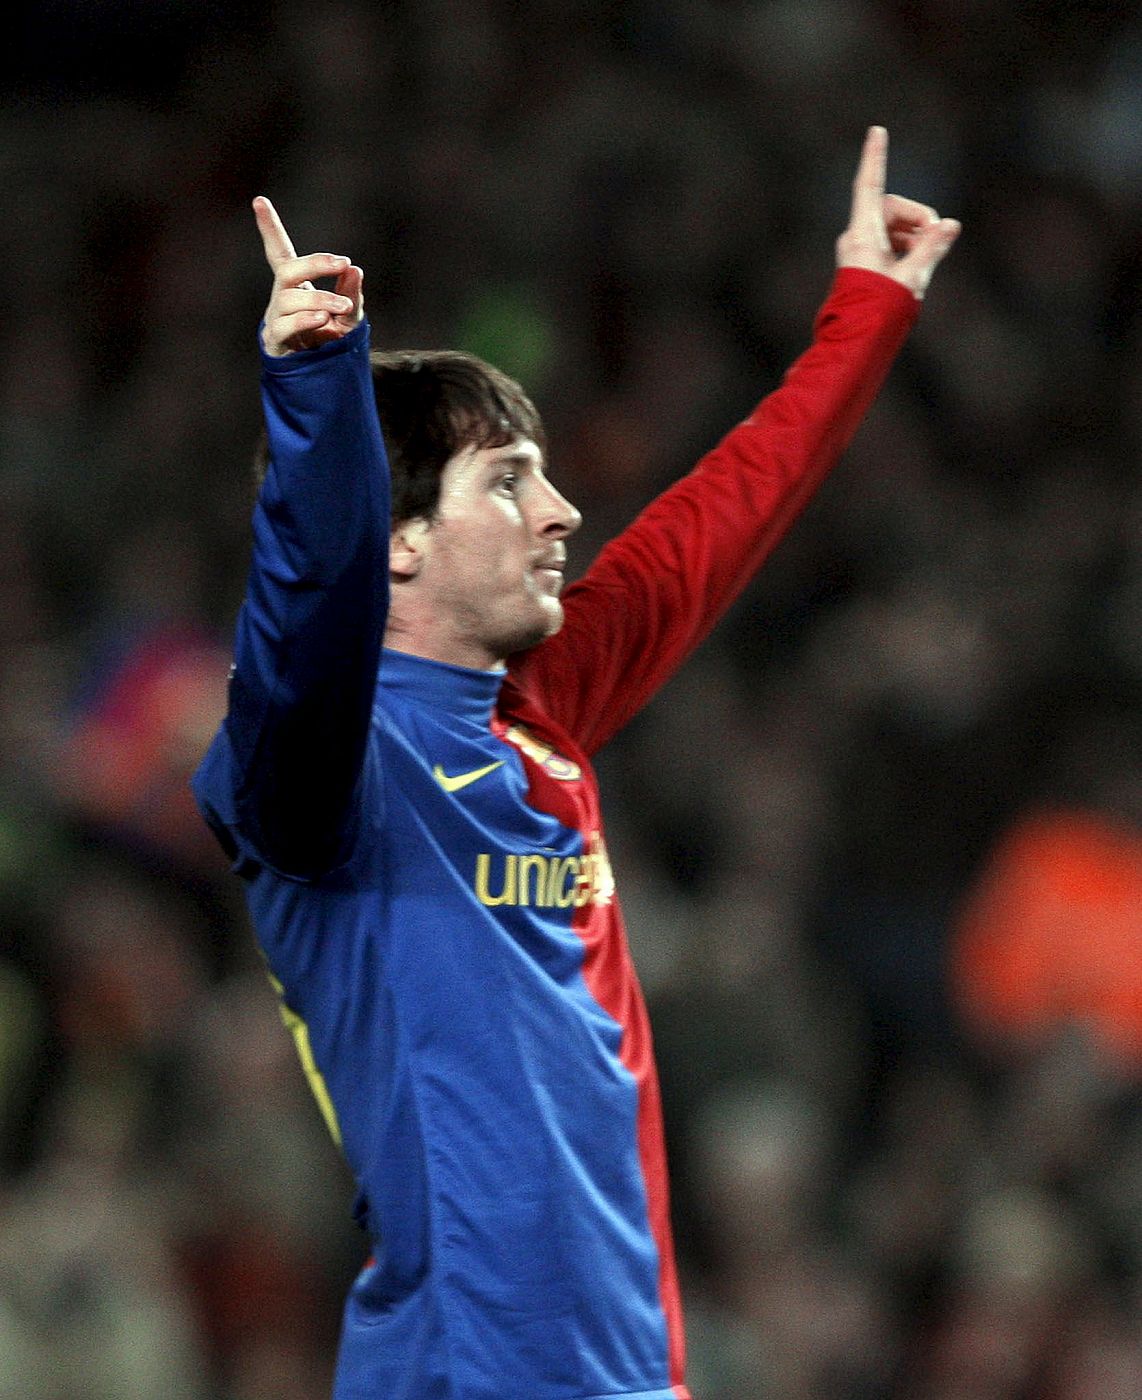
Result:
{"points": [[428, 878]]}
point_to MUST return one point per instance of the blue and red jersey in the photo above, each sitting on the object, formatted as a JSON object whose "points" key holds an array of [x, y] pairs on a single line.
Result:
{"points": [[426, 869]]}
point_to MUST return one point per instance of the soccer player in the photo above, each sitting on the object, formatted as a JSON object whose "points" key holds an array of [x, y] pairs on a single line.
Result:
{"points": [[403, 781]]}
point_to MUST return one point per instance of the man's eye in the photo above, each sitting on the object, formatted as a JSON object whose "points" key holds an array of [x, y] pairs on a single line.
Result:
{"points": [[508, 482]]}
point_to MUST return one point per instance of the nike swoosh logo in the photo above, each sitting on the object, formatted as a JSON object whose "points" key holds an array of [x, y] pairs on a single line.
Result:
{"points": [[453, 783]]}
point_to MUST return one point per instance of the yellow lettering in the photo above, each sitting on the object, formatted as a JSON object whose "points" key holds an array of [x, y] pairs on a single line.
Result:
{"points": [[539, 865], [558, 892], [533, 880], [602, 876], [585, 881], [507, 894]]}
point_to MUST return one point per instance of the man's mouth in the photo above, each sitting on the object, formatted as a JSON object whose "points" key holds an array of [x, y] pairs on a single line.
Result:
{"points": [[549, 572]]}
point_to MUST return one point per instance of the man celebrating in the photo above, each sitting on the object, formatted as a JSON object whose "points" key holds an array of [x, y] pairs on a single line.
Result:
{"points": [[403, 781]]}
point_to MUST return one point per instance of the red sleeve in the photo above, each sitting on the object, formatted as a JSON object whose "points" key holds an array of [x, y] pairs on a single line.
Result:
{"points": [[655, 591]]}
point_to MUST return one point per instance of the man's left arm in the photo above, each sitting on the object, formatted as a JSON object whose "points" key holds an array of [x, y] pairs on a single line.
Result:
{"points": [[656, 591]]}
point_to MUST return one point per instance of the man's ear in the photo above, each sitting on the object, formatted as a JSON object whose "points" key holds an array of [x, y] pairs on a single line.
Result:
{"points": [[408, 547]]}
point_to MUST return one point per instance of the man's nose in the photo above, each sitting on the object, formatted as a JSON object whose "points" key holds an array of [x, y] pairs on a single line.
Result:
{"points": [[560, 517]]}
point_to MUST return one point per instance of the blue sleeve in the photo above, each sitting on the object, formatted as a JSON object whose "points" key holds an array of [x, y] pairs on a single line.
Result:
{"points": [[281, 784]]}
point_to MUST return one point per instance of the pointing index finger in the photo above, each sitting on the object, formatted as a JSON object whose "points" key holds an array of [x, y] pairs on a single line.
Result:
{"points": [[275, 241], [869, 182]]}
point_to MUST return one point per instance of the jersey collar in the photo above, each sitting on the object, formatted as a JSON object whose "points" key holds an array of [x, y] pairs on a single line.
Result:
{"points": [[459, 690]]}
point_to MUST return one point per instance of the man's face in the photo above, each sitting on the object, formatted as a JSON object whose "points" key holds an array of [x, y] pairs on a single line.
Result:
{"points": [[491, 569]]}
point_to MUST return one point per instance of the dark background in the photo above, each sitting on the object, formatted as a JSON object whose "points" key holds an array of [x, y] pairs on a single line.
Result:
{"points": [[879, 844]]}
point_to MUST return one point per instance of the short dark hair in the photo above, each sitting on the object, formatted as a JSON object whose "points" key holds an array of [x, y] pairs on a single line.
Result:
{"points": [[433, 404]]}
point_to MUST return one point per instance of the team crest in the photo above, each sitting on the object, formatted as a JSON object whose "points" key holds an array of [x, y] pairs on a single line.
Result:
{"points": [[552, 763]]}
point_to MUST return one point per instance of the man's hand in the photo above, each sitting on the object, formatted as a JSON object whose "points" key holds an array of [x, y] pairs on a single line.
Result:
{"points": [[300, 316], [887, 233]]}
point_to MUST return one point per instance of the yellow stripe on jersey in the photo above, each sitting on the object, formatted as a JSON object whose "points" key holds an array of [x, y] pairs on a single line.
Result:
{"points": [[300, 1032]]}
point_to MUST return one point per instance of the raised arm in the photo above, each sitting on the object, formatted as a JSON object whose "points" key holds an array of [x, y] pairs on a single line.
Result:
{"points": [[300, 316], [656, 591], [281, 783], [900, 238]]}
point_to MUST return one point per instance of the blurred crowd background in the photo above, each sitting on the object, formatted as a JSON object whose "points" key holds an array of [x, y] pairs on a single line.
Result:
{"points": [[880, 845]]}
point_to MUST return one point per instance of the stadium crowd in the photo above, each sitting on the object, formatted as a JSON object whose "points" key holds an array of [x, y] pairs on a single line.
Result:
{"points": [[880, 844]]}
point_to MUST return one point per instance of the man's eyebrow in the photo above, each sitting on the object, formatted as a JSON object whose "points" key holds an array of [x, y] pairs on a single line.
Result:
{"points": [[517, 459]]}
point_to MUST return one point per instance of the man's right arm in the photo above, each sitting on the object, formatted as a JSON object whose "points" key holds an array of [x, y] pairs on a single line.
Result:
{"points": [[281, 782]]}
